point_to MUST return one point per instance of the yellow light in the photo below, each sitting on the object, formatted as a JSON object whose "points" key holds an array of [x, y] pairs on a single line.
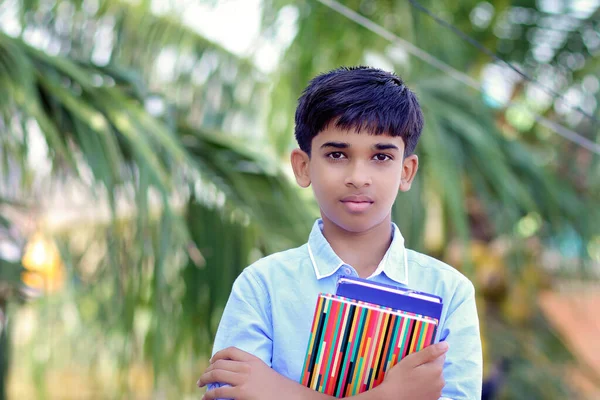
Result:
{"points": [[45, 270], [37, 254], [32, 279]]}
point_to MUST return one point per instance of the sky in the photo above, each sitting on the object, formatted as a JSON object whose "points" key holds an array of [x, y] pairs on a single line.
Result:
{"points": [[236, 25]]}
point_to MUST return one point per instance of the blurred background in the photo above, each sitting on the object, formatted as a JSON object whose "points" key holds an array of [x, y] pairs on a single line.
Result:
{"points": [[144, 163]]}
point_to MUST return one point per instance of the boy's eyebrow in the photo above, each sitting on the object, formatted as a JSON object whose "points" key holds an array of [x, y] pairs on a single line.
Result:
{"points": [[344, 145], [337, 145], [385, 146]]}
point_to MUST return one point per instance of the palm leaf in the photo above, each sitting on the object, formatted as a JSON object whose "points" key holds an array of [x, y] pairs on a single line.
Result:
{"points": [[134, 38], [253, 184]]}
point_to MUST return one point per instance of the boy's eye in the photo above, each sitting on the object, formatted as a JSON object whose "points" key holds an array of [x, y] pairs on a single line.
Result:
{"points": [[381, 157], [336, 155]]}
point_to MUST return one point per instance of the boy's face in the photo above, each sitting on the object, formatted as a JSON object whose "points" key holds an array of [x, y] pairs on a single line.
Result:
{"points": [[355, 176]]}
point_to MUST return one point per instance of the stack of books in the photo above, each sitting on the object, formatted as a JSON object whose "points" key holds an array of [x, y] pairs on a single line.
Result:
{"points": [[362, 331]]}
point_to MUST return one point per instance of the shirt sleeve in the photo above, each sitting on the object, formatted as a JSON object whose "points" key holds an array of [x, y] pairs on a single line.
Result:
{"points": [[246, 321], [463, 369]]}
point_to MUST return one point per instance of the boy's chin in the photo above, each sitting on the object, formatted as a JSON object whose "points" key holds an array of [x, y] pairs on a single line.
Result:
{"points": [[354, 224]]}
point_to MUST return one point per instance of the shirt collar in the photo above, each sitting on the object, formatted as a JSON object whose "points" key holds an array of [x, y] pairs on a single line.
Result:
{"points": [[326, 262]]}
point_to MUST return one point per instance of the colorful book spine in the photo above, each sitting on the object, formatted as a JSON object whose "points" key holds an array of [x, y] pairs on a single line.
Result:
{"points": [[352, 344]]}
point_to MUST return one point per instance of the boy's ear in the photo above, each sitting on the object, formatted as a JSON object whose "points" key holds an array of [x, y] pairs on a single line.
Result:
{"points": [[300, 164], [410, 165]]}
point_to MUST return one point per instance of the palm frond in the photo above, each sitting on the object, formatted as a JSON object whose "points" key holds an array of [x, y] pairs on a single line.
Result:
{"points": [[212, 85], [252, 183]]}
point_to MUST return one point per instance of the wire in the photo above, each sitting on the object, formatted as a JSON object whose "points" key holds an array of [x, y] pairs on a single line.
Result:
{"points": [[411, 48], [456, 74], [496, 57]]}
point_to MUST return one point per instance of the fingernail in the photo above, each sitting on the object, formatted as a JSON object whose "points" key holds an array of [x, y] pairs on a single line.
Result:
{"points": [[198, 384], [444, 346]]}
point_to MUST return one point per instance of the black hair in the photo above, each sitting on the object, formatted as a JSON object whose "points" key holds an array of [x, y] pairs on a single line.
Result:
{"points": [[361, 98]]}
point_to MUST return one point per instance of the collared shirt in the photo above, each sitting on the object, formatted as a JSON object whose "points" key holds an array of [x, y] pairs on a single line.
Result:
{"points": [[272, 303]]}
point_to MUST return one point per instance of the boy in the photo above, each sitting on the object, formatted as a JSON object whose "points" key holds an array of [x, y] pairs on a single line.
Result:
{"points": [[357, 129]]}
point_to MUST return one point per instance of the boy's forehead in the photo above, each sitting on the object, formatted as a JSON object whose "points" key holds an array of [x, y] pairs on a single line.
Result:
{"points": [[355, 137]]}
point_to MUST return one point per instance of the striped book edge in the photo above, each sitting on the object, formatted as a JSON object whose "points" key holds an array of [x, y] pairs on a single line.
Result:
{"points": [[352, 344]]}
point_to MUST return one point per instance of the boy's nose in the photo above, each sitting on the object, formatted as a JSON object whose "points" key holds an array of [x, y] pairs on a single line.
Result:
{"points": [[358, 176]]}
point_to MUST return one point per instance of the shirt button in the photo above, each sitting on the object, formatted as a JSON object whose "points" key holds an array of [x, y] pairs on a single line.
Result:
{"points": [[347, 271]]}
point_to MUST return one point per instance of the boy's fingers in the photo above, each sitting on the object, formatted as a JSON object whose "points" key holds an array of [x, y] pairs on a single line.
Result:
{"points": [[438, 363], [231, 353], [219, 376], [228, 365], [225, 392], [427, 355]]}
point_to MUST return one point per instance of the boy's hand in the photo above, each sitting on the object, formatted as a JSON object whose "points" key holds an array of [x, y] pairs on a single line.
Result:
{"points": [[250, 378], [417, 376]]}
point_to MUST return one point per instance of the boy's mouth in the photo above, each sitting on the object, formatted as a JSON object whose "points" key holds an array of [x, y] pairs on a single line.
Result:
{"points": [[357, 203]]}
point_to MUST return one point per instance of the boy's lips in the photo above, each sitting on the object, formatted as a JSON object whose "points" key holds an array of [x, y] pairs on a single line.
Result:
{"points": [[357, 203]]}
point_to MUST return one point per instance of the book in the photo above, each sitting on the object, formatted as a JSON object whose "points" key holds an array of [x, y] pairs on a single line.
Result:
{"points": [[390, 296], [354, 342]]}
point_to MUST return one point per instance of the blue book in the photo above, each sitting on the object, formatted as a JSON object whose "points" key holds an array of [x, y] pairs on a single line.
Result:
{"points": [[390, 296]]}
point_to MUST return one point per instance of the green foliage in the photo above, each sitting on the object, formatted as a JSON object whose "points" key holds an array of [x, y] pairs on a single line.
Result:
{"points": [[217, 201]]}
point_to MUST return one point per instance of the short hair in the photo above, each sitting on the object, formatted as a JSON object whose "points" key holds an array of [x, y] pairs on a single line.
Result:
{"points": [[361, 98]]}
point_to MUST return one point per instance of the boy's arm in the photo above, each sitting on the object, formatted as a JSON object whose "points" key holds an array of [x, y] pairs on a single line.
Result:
{"points": [[246, 320], [249, 378], [418, 376], [463, 367]]}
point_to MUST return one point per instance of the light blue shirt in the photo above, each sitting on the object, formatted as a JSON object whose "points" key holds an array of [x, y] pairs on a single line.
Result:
{"points": [[272, 303]]}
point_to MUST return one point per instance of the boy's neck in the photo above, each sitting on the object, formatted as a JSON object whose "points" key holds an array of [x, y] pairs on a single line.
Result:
{"points": [[363, 251]]}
